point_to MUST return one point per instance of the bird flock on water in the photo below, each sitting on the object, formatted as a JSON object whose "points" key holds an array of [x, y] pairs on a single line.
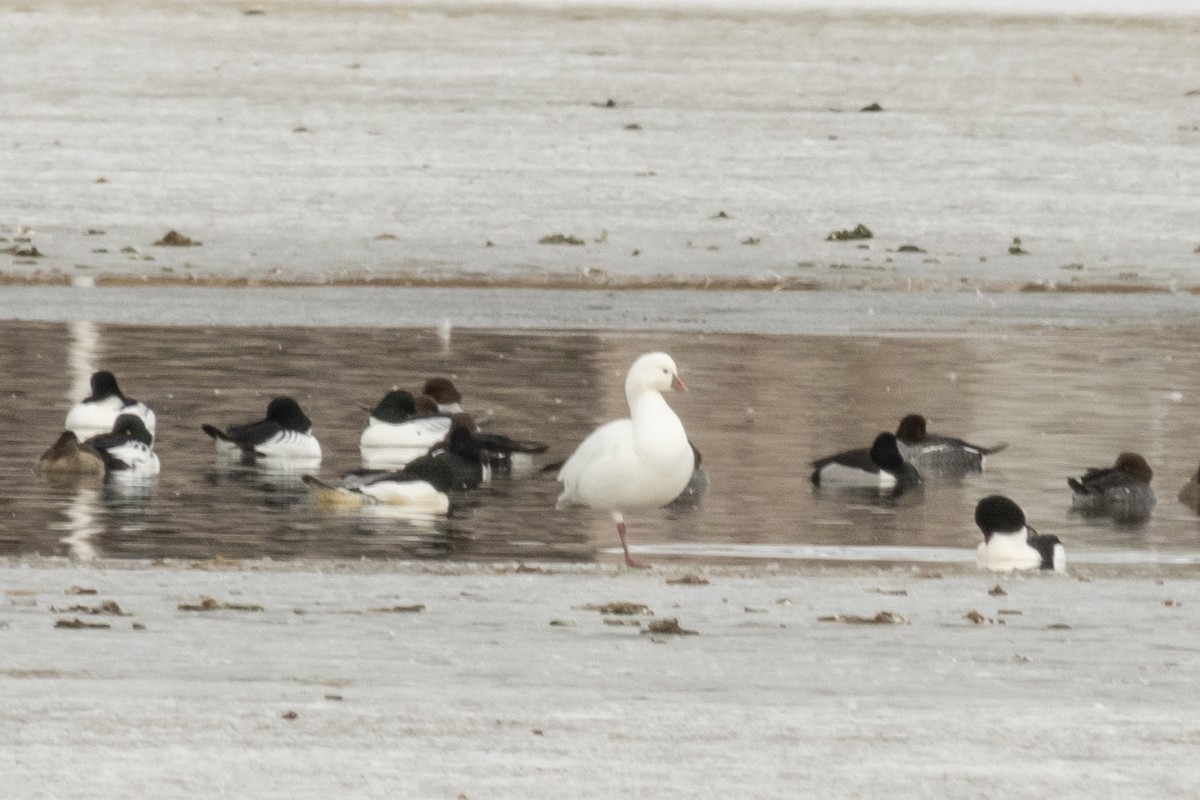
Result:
{"points": [[417, 449]]}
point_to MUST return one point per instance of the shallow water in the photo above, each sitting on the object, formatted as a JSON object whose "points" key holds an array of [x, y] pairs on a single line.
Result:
{"points": [[760, 408]]}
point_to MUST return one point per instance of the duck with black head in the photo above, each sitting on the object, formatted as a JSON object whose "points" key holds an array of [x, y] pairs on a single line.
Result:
{"points": [[420, 487], [1009, 543], [466, 457], [400, 428], [127, 450], [96, 413], [881, 466], [284, 434]]}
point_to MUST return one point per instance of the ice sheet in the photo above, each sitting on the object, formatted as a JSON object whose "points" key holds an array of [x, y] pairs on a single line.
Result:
{"points": [[507, 685], [442, 143]]}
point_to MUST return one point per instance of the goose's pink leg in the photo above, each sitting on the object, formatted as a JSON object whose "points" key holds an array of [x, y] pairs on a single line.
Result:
{"points": [[629, 562]]}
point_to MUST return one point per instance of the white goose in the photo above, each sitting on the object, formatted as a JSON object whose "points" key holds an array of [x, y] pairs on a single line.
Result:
{"points": [[642, 461]]}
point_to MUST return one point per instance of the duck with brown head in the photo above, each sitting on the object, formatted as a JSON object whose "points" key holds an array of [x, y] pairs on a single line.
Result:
{"points": [[443, 390], [939, 456], [1189, 495], [1121, 491], [69, 460]]}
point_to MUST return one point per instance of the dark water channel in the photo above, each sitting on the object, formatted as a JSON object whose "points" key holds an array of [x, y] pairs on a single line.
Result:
{"points": [[760, 408]]}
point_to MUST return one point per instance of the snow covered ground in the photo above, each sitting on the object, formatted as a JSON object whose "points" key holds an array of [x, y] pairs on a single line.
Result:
{"points": [[664, 143], [507, 684]]}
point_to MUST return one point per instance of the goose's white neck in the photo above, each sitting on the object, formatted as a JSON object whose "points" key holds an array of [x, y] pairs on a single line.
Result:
{"points": [[647, 403], [657, 430]]}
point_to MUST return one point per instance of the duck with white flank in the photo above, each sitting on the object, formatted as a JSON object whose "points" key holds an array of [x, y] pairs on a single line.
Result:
{"points": [[1009, 543], [69, 458], [1121, 491], [397, 425], [98, 412], [285, 434], [420, 487], [502, 451], [642, 461], [939, 456], [880, 467], [128, 450]]}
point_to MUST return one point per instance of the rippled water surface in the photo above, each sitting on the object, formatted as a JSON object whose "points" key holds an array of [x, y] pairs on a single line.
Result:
{"points": [[760, 408]]}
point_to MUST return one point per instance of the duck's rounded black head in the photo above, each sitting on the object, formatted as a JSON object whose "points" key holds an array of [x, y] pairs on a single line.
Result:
{"points": [[285, 412], [434, 471], [885, 453], [104, 384], [997, 514], [911, 429], [131, 426], [396, 406], [461, 438]]}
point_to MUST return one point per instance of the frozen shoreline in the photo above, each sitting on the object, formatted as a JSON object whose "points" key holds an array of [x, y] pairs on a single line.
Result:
{"points": [[444, 143], [506, 686], [833, 313]]}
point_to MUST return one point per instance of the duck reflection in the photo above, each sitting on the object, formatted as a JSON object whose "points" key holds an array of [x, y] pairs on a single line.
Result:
{"points": [[81, 524], [281, 484]]}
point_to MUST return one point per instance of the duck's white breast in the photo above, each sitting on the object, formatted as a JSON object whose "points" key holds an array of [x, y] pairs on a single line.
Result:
{"points": [[90, 419], [423, 432], [1007, 552]]}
